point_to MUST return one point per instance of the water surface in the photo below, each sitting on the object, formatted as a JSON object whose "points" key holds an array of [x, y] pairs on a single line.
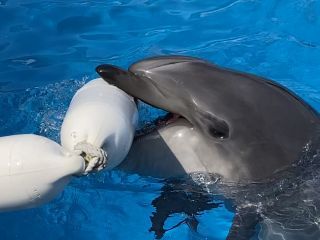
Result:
{"points": [[48, 49]]}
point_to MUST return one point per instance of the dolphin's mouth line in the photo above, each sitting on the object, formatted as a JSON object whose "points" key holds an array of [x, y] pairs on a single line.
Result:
{"points": [[158, 123], [168, 119]]}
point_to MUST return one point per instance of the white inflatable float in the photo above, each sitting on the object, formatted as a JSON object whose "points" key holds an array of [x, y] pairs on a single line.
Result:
{"points": [[97, 133], [100, 123], [33, 170]]}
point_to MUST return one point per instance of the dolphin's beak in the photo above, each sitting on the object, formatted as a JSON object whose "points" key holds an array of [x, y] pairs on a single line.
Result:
{"points": [[111, 73]]}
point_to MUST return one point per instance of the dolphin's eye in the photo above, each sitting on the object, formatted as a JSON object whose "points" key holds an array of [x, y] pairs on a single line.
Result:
{"points": [[217, 134], [212, 125]]}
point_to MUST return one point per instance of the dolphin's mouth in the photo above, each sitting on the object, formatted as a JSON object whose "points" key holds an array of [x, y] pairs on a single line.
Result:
{"points": [[168, 119], [158, 123]]}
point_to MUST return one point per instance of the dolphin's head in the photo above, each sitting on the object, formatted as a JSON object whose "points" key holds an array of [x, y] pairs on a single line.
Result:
{"points": [[157, 71], [165, 82], [151, 80], [137, 86]]}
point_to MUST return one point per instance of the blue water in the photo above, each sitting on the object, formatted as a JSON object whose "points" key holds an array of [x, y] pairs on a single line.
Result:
{"points": [[48, 49]]}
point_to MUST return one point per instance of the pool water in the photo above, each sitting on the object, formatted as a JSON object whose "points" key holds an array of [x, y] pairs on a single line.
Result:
{"points": [[49, 49]]}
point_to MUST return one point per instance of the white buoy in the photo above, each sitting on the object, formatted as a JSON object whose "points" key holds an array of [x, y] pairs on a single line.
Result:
{"points": [[100, 123], [33, 170]]}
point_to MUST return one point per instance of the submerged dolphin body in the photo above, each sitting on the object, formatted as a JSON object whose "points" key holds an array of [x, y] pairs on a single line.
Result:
{"points": [[255, 126]]}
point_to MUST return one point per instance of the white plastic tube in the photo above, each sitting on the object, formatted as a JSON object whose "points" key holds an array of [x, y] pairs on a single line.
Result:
{"points": [[102, 117], [33, 170]]}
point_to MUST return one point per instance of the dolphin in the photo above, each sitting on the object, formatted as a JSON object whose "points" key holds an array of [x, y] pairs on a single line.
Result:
{"points": [[250, 127]]}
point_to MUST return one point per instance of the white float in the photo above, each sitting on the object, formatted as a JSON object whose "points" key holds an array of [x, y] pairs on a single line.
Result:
{"points": [[97, 132], [33, 170], [100, 123]]}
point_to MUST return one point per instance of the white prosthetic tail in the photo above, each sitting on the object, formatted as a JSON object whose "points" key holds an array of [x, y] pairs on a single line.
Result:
{"points": [[100, 125], [33, 170]]}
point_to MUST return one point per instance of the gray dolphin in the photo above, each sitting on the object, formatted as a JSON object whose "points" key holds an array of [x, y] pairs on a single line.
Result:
{"points": [[253, 124]]}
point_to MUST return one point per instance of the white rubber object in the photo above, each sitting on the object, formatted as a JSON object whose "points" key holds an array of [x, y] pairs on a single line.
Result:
{"points": [[33, 170], [100, 117]]}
